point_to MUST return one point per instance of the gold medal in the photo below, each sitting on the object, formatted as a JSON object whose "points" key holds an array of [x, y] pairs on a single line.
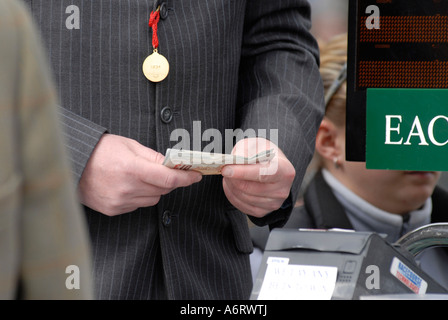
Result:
{"points": [[156, 67]]}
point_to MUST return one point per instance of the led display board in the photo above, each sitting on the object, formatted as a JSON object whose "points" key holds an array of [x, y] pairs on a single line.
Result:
{"points": [[393, 44]]}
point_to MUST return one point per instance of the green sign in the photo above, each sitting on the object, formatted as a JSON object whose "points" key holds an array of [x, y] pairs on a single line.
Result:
{"points": [[407, 129]]}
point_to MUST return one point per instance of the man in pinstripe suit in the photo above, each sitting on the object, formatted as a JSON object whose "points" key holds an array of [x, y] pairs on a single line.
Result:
{"points": [[249, 64]]}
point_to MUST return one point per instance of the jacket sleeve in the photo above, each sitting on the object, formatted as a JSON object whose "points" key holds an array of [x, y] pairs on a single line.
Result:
{"points": [[280, 87], [81, 137]]}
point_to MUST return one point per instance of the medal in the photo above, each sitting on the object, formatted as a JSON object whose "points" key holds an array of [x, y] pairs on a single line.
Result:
{"points": [[155, 66]]}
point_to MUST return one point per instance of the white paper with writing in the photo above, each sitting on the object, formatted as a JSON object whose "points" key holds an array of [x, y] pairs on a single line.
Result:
{"points": [[298, 282]]}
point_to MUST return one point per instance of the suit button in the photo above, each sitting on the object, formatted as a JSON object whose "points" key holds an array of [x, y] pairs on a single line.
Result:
{"points": [[166, 115], [163, 11], [166, 218]]}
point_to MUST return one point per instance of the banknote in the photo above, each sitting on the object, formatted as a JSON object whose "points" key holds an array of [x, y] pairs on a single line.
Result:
{"points": [[210, 163]]}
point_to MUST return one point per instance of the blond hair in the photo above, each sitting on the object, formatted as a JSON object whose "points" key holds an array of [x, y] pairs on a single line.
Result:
{"points": [[333, 57]]}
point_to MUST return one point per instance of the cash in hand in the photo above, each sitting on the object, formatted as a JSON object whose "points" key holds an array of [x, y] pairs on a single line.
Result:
{"points": [[210, 163]]}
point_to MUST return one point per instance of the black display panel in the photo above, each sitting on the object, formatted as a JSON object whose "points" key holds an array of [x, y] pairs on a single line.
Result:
{"points": [[392, 44]]}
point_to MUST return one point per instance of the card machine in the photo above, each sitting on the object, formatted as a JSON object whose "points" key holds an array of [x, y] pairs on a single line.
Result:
{"points": [[367, 265]]}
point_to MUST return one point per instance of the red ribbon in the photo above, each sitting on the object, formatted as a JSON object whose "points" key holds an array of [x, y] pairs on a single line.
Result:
{"points": [[153, 20]]}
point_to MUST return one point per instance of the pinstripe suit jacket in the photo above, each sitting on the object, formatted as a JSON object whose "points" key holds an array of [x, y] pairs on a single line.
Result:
{"points": [[233, 64]]}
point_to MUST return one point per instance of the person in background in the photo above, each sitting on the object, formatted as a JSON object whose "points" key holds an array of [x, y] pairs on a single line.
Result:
{"points": [[344, 194], [44, 249], [330, 18]]}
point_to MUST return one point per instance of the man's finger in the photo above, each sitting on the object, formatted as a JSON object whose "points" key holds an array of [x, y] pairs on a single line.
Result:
{"points": [[251, 172], [164, 177], [257, 189], [263, 202], [151, 155], [241, 205]]}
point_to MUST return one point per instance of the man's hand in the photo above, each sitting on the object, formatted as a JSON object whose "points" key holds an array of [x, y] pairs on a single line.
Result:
{"points": [[123, 175], [258, 189]]}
